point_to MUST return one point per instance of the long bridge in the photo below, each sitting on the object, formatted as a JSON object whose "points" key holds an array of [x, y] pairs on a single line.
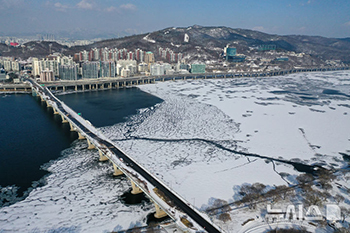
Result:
{"points": [[166, 201], [115, 83]]}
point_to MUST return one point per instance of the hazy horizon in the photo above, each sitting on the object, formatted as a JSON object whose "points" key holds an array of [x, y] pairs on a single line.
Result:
{"points": [[108, 19]]}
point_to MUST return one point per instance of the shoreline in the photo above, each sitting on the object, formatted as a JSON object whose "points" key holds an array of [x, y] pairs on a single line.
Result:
{"points": [[116, 83]]}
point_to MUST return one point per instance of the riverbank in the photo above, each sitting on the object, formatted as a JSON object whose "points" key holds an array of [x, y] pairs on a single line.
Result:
{"points": [[116, 83]]}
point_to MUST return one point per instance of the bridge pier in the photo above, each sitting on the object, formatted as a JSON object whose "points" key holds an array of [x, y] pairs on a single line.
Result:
{"points": [[55, 111], [102, 156], [159, 212], [117, 171], [48, 104], [80, 136], [135, 189], [71, 127], [91, 146], [64, 119]]}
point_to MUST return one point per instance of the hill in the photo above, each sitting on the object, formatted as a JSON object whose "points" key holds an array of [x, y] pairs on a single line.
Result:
{"points": [[204, 44], [32, 49]]}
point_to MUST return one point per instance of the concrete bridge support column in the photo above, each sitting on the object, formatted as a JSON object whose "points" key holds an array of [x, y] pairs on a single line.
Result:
{"points": [[135, 189], [102, 156], [110, 86], [64, 119], [81, 137], [71, 127], [159, 212], [48, 104], [91, 146], [55, 111], [76, 88], [117, 171]]}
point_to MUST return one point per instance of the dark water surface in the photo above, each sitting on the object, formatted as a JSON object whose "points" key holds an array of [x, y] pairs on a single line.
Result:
{"points": [[31, 135], [103, 108]]}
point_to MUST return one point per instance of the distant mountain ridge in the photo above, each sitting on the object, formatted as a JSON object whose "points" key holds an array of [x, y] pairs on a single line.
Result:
{"points": [[205, 43]]}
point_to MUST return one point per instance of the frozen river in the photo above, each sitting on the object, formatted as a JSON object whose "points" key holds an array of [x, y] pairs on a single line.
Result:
{"points": [[205, 140]]}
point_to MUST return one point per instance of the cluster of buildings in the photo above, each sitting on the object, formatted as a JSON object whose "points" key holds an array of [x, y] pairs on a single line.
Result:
{"points": [[106, 54], [101, 63], [169, 55]]}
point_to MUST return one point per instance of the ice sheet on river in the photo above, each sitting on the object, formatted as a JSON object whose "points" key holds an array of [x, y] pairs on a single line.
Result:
{"points": [[195, 131]]}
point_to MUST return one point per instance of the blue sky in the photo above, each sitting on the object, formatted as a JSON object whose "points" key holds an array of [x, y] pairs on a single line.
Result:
{"points": [[329, 18]]}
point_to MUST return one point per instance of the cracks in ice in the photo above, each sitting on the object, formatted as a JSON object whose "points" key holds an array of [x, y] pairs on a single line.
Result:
{"points": [[312, 147], [232, 168], [282, 177], [297, 165]]}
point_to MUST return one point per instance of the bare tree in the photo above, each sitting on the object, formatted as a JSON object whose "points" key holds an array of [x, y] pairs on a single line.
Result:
{"points": [[344, 213], [220, 206], [339, 198], [304, 181], [225, 217]]}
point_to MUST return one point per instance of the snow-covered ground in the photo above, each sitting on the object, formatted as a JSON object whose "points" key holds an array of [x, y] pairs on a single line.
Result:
{"points": [[193, 142]]}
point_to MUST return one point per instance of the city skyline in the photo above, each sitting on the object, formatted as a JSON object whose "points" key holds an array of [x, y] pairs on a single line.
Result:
{"points": [[110, 18]]}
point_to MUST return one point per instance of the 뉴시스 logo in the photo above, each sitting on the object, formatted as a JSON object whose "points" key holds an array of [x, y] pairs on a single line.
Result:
{"points": [[331, 212]]}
